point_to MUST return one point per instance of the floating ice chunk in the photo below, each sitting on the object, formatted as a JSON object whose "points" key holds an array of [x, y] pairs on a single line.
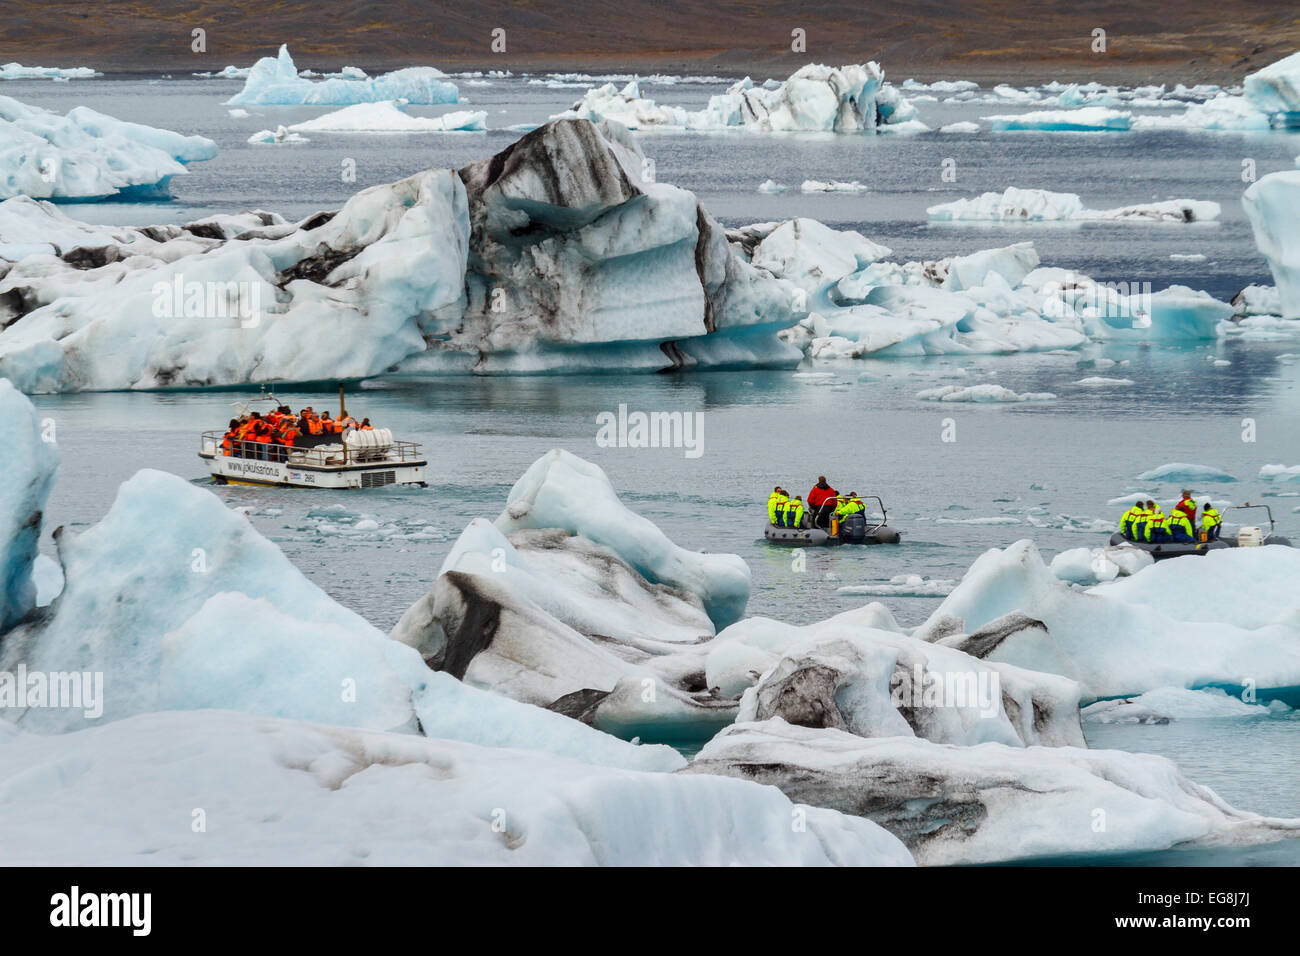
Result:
{"points": [[954, 805], [1257, 300], [1175, 703], [1012, 263], [981, 393], [1094, 565], [1209, 622], [1187, 256], [16, 71], [87, 155], [1035, 205], [1279, 473], [228, 72], [390, 117], [560, 490], [274, 81], [1270, 205], [27, 470], [345, 796], [832, 186], [276, 137], [1181, 471], [963, 126], [812, 255], [902, 585], [238, 113], [1275, 90], [1087, 119], [771, 186], [1222, 112], [1101, 381]]}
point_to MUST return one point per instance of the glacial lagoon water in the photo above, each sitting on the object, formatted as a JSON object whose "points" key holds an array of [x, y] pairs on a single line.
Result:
{"points": [[1040, 470]]}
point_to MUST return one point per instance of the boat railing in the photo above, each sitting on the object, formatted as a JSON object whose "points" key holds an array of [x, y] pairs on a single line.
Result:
{"points": [[330, 455]]}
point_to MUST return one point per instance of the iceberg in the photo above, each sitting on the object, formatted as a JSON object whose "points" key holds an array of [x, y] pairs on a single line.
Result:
{"points": [[832, 186], [968, 805], [274, 81], [1275, 91], [1164, 704], [1279, 473], [1185, 473], [243, 629], [816, 98], [391, 117], [1224, 620], [88, 155], [1087, 119], [1270, 204], [1040, 205], [26, 476], [1090, 566], [304, 794]]}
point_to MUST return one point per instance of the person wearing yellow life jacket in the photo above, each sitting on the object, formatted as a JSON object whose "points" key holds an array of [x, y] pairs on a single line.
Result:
{"points": [[1155, 524], [776, 505], [1180, 529], [849, 505], [1211, 523], [1129, 520], [793, 511]]}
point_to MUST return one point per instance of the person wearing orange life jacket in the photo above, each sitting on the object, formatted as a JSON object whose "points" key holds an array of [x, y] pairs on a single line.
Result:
{"points": [[314, 424], [365, 425], [228, 438]]}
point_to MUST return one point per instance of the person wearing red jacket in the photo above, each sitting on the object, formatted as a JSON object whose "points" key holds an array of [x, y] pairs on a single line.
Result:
{"points": [[1187, 505], [820, 494]]}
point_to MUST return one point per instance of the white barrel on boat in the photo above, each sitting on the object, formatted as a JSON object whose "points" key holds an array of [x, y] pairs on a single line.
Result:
{"points": [[1249, 537]]}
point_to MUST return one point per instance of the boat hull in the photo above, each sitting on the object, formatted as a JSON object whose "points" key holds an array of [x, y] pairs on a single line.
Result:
{"points": [[289, 474], [816, 537], [1176, 549]]}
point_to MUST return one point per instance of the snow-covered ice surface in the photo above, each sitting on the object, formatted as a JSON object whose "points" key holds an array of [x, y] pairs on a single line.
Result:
{"points": [[87, 155], [1087, 119], [274, 81], [305, 794]]}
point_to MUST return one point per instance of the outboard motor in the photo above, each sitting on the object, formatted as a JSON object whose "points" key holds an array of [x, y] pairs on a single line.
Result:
{"points": [[854, 527]]}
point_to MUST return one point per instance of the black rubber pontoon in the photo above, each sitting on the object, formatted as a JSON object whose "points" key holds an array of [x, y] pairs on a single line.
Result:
{"points": [[1176, 549], [855, 529]]}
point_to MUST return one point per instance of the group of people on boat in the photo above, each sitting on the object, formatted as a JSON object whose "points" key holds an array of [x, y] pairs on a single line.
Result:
{"points": [[268, 437], [824, 503], [1147, 522]]}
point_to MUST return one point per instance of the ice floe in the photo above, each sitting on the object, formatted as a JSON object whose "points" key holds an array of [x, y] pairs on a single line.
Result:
{"points": [[1270, 204], [274, 81], [1035, 205], [88, 155], [391, 117], [1164, 704], [16, 71], [1186, 473], [988, 392], [1085, 119], [276, 137]]}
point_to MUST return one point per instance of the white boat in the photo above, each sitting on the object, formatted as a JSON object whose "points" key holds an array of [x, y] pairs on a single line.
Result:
{"points": [[355, 459]]}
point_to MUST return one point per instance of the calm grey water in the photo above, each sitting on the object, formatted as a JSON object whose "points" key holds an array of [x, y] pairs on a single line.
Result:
{"points": [[1044, 471]]}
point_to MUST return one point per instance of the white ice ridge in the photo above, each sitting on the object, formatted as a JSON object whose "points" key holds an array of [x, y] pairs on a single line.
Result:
{"points": [[391, 117], [16, 71], [87, 155], [446, 271], [1271, 205], [304, 794], [848, 99], [274, 81], [1034, 205], [1227, 619]]}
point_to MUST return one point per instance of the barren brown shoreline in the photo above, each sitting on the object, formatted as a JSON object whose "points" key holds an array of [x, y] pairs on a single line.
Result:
{"points": [[1032, 41]]}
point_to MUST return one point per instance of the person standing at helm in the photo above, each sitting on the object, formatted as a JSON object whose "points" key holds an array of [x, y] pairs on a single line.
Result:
{"points": [[794, 512], [820, 494], [776, 506], [1211, 523]]}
